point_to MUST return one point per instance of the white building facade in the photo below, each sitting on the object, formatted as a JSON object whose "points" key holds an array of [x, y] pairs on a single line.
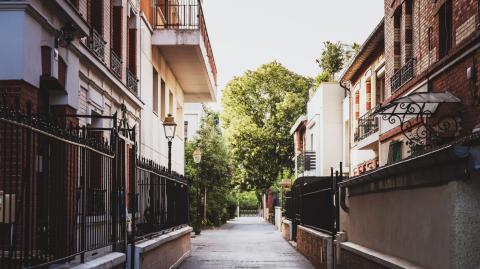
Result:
{"points": [[319, 134]]}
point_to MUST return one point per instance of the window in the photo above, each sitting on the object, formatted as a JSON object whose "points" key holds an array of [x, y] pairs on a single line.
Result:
{"points": [[445, 35], [170, 102], [74, 3], [408, 49], [397, 33], [311, 142], [95, 15], [155, 92], [394, 152], [162, 99], [185, 130], [380, 91], [117, 30], [132, 50]]}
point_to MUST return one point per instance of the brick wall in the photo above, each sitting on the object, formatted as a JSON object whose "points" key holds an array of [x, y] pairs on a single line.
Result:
{"points": [[316, 246], [425, 29]]}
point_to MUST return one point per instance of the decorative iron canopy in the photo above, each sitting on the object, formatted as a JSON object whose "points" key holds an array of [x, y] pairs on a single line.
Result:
{"points": [[416, 114]]}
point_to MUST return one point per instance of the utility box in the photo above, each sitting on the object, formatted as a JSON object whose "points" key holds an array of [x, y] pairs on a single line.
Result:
{"points": [[7, 208]]}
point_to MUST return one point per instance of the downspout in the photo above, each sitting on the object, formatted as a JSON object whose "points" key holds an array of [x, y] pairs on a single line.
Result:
{"points": [[346, 85]]}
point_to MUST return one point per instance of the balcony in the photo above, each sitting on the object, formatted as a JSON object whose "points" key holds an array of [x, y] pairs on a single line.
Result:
{"points": [[403, 75], [115, 64], [306, 161], [367, 125], [182, 37], [132, 82], [97, 45]]}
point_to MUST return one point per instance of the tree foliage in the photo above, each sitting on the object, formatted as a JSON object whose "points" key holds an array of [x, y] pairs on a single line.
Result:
{"points": [[260, 107], [213, 171], [334, 57]]}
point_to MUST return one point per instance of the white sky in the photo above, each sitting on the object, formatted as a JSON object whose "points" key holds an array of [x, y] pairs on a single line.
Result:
{"points": [[248, 33]]}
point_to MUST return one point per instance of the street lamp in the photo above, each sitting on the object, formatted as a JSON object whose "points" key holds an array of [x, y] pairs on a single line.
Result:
{"points": [[169, 127], [197, 157]]}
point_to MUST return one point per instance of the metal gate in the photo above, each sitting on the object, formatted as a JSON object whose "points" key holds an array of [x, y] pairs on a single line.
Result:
{"points": [[313, 202]]}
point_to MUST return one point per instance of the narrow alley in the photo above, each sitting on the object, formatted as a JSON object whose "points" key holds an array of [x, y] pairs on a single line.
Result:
{"points": [[246, 242]]}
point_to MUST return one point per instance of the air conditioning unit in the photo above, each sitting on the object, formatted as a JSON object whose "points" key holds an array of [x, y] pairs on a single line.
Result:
{"points": [[7, 208]]}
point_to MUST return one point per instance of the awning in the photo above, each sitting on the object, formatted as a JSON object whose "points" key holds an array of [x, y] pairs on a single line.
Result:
{"points": [[423, 104]]}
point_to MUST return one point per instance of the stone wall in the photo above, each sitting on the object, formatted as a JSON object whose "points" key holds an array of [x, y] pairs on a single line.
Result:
{"points": [[315, 246]]}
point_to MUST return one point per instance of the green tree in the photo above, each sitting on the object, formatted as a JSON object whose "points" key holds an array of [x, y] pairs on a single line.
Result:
{"points": [[332, 59], [213, 173], [259, 109]]}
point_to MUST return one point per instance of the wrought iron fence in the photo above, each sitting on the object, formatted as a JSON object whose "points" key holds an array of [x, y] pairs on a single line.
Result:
{"points": [[306, 161], [115, 64], [97, 44], [288, 204], [162, 199], [53, 185], [367, 125], [249, 212], [185, 15], [64, 190], [132, 82], [403, 75]]}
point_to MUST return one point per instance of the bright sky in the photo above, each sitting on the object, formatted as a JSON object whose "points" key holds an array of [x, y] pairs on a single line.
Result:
{"points": [[248, 33]]}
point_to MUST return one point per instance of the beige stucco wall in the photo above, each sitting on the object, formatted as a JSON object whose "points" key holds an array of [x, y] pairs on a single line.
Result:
{"points": [[153, 142], [434, 227], [168, 255]]}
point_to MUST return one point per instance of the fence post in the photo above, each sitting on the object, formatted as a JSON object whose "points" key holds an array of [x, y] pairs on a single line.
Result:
{"points": [[83, 178], [114, 191], [133, 196], [26, 191]]}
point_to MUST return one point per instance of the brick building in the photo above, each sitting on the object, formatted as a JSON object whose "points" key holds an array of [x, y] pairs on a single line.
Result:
{"points": [[91, 60], [417, 209], [364, 79]]}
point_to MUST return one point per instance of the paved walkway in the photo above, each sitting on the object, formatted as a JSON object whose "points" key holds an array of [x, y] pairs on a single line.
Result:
{"points": [[246, 242]]}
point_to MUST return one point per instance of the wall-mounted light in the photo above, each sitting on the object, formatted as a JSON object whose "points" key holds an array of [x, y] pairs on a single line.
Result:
{"points": [[66, 35]]}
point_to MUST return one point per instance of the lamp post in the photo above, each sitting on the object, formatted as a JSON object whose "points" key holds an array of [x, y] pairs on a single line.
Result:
{"points": [[169, 127], [197, 157]]}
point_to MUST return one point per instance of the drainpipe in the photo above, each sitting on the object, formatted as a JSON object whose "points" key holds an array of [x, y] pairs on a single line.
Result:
{"points": [[347, 86]]}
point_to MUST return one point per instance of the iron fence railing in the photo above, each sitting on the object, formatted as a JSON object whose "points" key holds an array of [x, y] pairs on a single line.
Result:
{"points": [[288, 205], [162, 199], [97, 45], [306, 161], [132, 82], [65, 192], [53, 183], [403, 75], [367, 125], [185, 15], [249, 212], [115, 64]]}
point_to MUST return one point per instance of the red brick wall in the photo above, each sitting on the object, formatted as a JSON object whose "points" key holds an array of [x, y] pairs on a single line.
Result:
{"points": [[314, 247], [424, 45]]}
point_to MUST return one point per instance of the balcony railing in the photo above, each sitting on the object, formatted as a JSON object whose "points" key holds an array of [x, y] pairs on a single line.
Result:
{"points": [[403, 75], [185, 15], [306, 161], [115, 64], [132, 82], [97, 45], [367, 125]]}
